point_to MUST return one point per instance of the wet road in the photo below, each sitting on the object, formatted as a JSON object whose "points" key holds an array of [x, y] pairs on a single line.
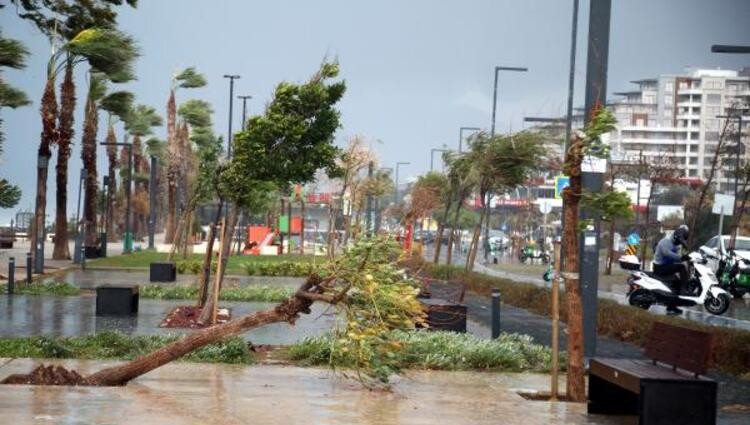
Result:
{"points": [[738, 315], [187, 393]]}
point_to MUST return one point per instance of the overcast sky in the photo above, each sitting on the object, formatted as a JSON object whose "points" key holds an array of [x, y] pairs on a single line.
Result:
{"points": [[416, 70]]}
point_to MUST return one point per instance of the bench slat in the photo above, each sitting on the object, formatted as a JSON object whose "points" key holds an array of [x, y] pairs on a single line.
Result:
{"points": [[684, 348]]}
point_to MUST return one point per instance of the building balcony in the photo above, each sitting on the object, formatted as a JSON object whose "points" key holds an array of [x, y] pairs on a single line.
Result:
{"points": [[689, 103], [690, 90], [689, 116]]}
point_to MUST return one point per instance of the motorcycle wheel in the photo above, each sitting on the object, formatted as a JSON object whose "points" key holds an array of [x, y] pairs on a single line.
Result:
{"points": [[717, 305], [522, 258], [641, 298], [545, 259]]}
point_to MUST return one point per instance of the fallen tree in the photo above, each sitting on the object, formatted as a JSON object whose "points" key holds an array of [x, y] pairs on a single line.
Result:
{"points": [[363, 285]]}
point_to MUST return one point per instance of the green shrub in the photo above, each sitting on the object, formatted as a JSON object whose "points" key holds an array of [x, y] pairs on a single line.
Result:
{"points": [[192, 266], [442, 351], [281, 268], [260, 293], [46, 288], [731, 349], [118, 346]]}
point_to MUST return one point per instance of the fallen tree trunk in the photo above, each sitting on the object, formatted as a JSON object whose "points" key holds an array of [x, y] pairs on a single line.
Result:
{"points": [[287, 311]]}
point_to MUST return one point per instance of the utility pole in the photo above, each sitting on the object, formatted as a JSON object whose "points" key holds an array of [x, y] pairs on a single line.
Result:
{"points": [[244, 108], [492, 134], [592, 180], [231, 104]]}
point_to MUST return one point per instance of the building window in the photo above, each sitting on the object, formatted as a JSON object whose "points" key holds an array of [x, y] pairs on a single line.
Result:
{"points": [[712, 136], [668, 100], [693, 160], [713, 99], [649, 98], [693, 148], [669, 86]]}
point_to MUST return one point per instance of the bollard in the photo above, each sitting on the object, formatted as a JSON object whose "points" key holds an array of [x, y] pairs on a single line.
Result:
{"points": [[28, 267], [495, 313], [83, 257], [11, 275]]}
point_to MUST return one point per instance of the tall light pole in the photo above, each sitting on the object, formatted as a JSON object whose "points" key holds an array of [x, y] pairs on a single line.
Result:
{"points": [[231, 104], [128, 239], [492, 133], [432, 156], [378, 213], [461, 135], [727, 48], [398, 164], [152, 204], [244, 108]]}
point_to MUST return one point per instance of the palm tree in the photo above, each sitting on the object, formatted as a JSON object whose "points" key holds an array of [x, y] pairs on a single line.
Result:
{"points": [[189, 78], [111, 59], [12, 55], [139, 123]]}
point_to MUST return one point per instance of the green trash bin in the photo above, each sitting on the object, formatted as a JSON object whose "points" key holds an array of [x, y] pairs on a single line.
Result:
{"points": [[127, 242]]}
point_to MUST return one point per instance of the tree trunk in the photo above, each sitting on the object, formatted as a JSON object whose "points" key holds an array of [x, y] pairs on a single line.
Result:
{"points": [[439, 235], [112, 156], [206, 269], [302, 227], [88, 155], [207, 314], [474, 247], [452, 236], [576, 384], [287, 311], [737, 216], [49, 137], [65, 125], [610, 249], [173, 167]]}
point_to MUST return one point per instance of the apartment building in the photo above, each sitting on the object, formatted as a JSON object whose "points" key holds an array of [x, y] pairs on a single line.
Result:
{"points": [[677, 117]]}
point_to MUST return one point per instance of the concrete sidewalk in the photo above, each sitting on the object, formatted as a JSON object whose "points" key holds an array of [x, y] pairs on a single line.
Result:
{"points": [[189, 393]]}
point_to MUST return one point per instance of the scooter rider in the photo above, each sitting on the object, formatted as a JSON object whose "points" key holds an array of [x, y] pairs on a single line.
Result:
{"points": [[668, 261]]}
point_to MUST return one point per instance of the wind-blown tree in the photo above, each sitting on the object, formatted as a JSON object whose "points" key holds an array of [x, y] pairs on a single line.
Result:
{"points": [[611, 206], [63, 21], [500, 163], [426, 195], [139, 123], [375, 186], [447, 195], [585, 144], [199, 174], [12, 55], [117, 105], [188, 78], [461, 181], [287, 145]]}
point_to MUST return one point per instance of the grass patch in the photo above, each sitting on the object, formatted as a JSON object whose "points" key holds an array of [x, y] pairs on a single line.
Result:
{"points": [[118, 346], [262, 293], [235, 264], [438, 350], [731, 350], [46, 288]]}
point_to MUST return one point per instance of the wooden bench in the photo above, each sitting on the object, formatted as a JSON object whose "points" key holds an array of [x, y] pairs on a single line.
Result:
{"points": [[666, 390]]}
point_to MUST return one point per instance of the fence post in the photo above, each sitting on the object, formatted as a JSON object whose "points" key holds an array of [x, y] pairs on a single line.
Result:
{"points": [[11, 275], [28, 267], [495, 313]]}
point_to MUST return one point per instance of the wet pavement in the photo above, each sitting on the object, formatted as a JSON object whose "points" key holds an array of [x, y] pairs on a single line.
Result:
{"points": [[29, 315], [738, 315], [187, 393]]}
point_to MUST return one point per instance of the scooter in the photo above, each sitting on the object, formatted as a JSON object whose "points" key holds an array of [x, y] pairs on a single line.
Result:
{"points": [[530, 253], [648, 288], [734, 274]]}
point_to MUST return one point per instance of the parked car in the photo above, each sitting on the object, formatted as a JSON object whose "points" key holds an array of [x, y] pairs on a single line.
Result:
{"points": [[716, 245]]}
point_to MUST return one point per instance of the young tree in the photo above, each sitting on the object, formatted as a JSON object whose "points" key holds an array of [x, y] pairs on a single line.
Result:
{"points": [[585, 144], [462, 183], [426, 195], [186, 79], [611, 206], [500, 163], [286, 145]]}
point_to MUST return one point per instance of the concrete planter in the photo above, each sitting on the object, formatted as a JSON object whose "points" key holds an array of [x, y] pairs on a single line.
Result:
{"points": [[162, 272], [117, 300]]}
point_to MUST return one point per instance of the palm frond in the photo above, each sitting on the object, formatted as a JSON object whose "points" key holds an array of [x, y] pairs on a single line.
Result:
{"points": [[140, 120], [107, 50], [12, 53], [190, 78], [197, 113], [118, 103], [9, 194], [12, 97], [97, 85]]}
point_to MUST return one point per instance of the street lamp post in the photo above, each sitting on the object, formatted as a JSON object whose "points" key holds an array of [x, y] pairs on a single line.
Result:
{"points": [[244, 108], [398, 164], [432, 156], [231, 104], [77, 258], [461, 135], [152, 204], [107, 194], [378, 212], [492, 133], [128, 239]]}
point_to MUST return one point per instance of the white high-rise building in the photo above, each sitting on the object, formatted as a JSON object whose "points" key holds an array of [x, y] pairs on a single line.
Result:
{"points": [[676, 116]]}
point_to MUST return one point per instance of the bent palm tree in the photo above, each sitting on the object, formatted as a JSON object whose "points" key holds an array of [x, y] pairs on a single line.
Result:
{"points": [[189, 78]]}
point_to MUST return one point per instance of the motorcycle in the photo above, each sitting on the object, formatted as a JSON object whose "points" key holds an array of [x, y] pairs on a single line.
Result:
{"points": [[647, 288], [529, 253], [734, 274]]}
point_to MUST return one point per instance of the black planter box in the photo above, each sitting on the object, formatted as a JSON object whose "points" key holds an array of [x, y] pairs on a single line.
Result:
{"points": [[116, 300], [445, 315], [91, 252], [162, 272]]}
